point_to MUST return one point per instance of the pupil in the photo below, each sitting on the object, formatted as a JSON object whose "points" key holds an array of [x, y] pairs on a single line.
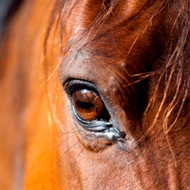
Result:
{"points": [[84, 105]]}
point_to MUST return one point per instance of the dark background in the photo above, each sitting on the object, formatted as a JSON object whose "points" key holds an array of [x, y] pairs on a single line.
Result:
{"points": [[7, 9]]}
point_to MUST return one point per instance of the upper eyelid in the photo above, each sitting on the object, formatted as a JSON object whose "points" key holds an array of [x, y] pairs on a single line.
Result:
{"points": [[76, 84]]}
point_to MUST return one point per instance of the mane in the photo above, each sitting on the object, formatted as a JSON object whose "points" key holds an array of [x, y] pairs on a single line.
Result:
{"points": [[176, 67]]}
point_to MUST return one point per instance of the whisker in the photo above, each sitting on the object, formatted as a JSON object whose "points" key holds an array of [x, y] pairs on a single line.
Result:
{"points": [[65, 139], [76, 143], [75, 161], [61, 143]]}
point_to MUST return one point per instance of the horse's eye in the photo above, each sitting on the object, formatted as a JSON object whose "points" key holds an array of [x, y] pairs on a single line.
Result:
{"points": [[87, 104]]}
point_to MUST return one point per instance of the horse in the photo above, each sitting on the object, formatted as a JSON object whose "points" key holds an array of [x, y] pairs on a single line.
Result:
{"points": [[95, 95]]}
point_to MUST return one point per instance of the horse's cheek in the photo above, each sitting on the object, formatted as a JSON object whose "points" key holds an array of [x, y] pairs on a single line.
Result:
{"points": [[40, 156]]}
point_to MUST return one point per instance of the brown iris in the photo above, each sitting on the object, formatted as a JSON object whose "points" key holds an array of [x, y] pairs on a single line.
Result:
{"points": [[87, 104]]}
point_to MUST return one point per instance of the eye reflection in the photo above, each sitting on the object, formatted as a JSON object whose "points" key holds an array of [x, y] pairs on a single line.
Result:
{"points": [[87, 104]]}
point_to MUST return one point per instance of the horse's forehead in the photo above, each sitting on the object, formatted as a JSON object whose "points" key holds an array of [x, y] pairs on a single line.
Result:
{"points": [[114, 12], [108, 40]]}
